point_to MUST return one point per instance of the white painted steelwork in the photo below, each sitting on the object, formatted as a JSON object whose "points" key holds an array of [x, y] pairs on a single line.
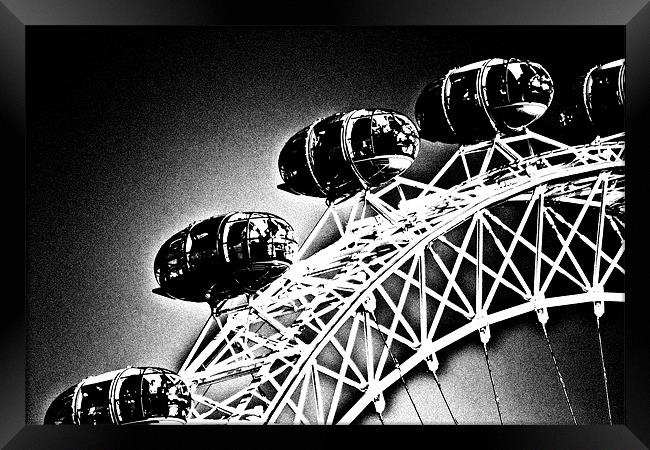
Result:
{"points": [[308, 347]]}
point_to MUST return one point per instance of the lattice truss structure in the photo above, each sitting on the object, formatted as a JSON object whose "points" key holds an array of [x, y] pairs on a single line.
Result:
{"points": [[507, 227]]}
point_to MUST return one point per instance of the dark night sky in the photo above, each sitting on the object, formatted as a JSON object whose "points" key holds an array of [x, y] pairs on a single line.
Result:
{"points": [[133, 133]]}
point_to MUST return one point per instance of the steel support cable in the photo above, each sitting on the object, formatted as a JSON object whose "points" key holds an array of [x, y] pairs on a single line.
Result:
{"points": [[399, 370], [559, 375], [494, 391], [435, 377], [602, 362]]}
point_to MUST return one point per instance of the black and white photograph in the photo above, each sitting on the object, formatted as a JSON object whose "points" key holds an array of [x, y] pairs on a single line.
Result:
{"points": [[326, 225], [379, 224]]}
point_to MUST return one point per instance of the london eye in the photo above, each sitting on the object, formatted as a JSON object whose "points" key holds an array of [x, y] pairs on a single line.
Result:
{"points": [[401, 268]]}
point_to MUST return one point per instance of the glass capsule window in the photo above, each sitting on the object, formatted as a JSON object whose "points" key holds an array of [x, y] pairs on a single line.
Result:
{"points": [[462, 89], [604, 84], [431, 112], [235, 241], [128, 401], [331, 170], [154, 397], [382, 134], [290, 157], [283, 240], [257, 238], [202, 247], [269, 240], [164, 395], [170, 261], [293, 165], [382, 145], [361, 138], [605, 97], [392, 135], [145, 394], [260, 238], [463, 106], [60, 411], [93, 402], [514, 82]]}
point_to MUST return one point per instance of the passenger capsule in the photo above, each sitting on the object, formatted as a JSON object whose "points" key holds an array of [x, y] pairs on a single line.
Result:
{"points": [[478, 101], [126, 396], [604, 97], [224, 256], [343, 154]]}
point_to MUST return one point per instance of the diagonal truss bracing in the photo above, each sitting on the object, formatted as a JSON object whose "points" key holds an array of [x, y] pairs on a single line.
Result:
{"points": [[433, 265]]}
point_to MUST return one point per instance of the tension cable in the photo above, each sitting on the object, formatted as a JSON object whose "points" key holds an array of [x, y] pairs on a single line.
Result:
{"points": [[435, 377], [602, 362], [432, 364], [496, 397], [559, 375], [397, 366]]}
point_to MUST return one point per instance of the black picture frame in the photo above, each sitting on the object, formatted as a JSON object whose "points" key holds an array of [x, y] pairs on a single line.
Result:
{"points": [[16, 15]]}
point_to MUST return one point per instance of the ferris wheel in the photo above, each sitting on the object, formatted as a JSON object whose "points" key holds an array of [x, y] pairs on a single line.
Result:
{"points": [[397, 270]]}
